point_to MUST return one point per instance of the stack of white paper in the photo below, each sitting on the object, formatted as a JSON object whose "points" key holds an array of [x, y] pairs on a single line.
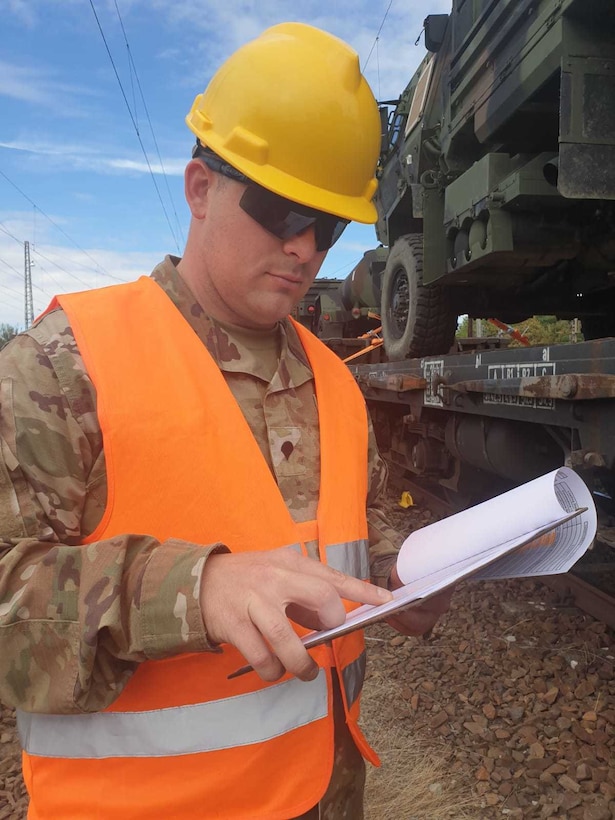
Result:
{"points": [[540, 528]]}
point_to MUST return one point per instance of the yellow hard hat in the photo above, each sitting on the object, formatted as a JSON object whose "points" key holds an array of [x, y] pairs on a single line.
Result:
{"points": [[292, 111]]}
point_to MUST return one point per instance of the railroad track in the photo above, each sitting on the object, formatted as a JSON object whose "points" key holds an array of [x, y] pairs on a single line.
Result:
{"points": [[590, 585], [591, 599]]}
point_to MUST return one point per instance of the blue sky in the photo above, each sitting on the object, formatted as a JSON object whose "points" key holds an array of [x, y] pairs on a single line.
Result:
{"points": [[74, 179]]}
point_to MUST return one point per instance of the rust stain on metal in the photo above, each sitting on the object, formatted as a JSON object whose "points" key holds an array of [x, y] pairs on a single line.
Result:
{"points": [[398, 382], [578, 386]]}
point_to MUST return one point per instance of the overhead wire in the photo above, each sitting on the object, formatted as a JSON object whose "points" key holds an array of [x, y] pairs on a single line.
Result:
{"points": [[14, 300], [378, 34], [58, 286], [133, 68], [14, 303], [5, 230], [151, 172], [8, 291], [8, 264], [343, 267], [73, 275], [18, 274], [8, 287], [364, 67], [98, 267], [378, 68]]}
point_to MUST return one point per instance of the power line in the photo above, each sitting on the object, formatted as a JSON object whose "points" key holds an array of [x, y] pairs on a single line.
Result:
{"points": [[17, 273], [344, 267], [9, 266], [74, 276], [132, 65], [98, 269], [378, 68], [6, 231], [7, 287], [8, 291], [378, 34], [13, 302], [20, 275], [117, 76], [58, 285]]}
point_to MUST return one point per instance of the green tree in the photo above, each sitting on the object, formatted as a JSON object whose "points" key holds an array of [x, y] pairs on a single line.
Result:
{"points": [[544, 330], [462, 327], [539, 330], [7, 332]]}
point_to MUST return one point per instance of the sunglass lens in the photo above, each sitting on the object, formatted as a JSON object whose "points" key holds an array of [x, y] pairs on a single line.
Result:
{"points": [[284, 218], [328, 230]]}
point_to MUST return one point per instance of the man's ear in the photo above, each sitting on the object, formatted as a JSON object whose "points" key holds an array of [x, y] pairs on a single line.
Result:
{"points": [[199, 180]]}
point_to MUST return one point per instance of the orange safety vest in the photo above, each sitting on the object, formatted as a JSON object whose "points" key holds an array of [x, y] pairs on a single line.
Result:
{"points": [[182, 741]]}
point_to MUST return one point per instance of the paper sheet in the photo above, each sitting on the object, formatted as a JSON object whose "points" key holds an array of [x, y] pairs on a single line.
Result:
{"points": [[503, 518], [540, 528]]}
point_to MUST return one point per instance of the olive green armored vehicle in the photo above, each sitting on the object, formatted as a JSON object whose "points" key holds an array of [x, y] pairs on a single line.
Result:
{"points": [[497, 174]]}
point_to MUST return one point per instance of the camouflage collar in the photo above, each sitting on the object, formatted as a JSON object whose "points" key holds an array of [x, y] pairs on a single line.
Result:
{"points": [[234, 353]]}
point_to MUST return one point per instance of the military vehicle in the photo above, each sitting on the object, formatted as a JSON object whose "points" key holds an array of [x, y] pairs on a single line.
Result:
{"points": [[497, 173], [343, 312]]}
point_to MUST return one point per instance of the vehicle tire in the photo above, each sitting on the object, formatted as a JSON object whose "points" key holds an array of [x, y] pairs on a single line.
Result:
{"points": [[417, 320]]}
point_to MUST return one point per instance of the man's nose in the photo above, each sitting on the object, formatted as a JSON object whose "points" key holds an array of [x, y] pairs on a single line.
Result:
{"points": [[302, 245]]}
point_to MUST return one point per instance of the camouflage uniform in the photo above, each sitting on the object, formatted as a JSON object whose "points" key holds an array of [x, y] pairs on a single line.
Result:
{"points": [[76, 620]]}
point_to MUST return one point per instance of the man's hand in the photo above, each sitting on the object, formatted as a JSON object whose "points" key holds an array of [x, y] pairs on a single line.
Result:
{"points": [[417, 620], [244, 601]]}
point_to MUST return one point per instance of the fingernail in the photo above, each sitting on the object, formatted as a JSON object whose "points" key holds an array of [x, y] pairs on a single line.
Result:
{"points": [[309, 674], [384, 594]]}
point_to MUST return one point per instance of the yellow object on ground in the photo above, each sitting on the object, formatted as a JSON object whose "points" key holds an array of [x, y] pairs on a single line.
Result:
{"points": [[406, 500]]}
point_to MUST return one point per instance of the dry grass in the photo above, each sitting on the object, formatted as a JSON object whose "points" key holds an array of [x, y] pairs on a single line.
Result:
{"points": [[414, 782]]}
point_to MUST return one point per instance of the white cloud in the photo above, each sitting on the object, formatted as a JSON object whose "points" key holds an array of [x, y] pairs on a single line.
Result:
{"points": [[91, 158], [38, 85], [171, 167], [35, 146], [228, 25], [23, 83]]}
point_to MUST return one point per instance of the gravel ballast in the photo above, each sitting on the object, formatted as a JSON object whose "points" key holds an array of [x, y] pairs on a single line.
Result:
{"points": [[513, 692]]}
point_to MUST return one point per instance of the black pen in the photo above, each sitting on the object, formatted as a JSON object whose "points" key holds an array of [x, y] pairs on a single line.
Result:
{"points": [[243, 670]]}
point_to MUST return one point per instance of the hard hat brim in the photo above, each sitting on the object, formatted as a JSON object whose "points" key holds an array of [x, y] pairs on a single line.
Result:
{"points": [[354, 208]]}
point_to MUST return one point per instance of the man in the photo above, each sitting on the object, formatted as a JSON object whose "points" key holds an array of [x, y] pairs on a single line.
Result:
{"points": [[186, 471]]}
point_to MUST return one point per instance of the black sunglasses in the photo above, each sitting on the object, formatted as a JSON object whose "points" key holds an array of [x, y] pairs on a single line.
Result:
{"points": [[281, 217]]}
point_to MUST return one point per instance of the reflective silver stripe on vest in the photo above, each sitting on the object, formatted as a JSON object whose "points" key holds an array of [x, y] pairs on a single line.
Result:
{"points": [[351, 557], [204, 727], [296, 548], [353, 676]]}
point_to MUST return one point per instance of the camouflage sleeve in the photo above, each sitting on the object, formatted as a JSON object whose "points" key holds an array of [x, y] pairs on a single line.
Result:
{"points": [[384, 540], [75, 620]]}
